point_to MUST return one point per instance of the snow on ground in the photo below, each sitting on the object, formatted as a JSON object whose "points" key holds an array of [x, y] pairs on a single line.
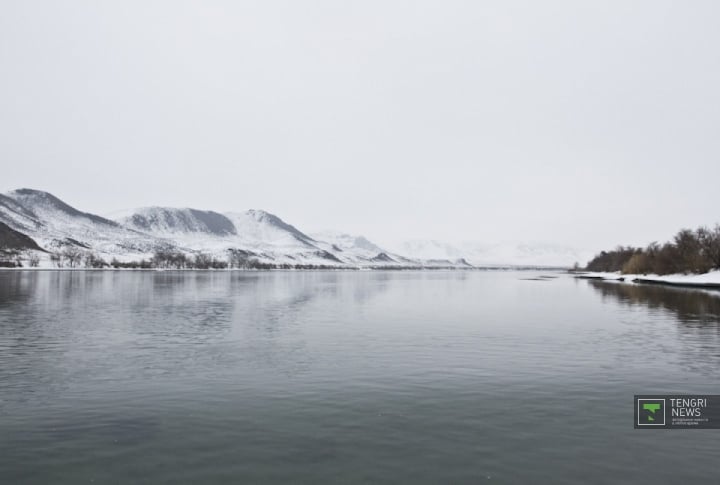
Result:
{"points": [[710, 278], [52, 224], [134, 235]]}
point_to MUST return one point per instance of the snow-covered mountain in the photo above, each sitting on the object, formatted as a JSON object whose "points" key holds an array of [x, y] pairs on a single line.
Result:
{"points": [[347, 242], [10, 239], [169, 221], [362, 251], [497, 254], [137, 234], [357, 246], [53, 224], [428, 249], [261, 234], [524, 254], [260, 227]]}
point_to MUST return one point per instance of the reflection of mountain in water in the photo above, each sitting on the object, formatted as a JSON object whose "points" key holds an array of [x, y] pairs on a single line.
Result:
{"points": [[691, 306], [211, 322]]}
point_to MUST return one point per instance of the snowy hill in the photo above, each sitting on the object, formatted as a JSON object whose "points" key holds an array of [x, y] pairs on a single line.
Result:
{"points": [[14, 240], [428, 250], [347, 242], [53, 224], [259, 234], [360, 251], [168, 221], [257, 226], [498, 254], [355, 248], [253, 234]]}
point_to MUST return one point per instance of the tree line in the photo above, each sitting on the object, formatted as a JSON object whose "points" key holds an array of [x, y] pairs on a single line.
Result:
{"points": [[690, 251], [74, 257], [13, 258]]}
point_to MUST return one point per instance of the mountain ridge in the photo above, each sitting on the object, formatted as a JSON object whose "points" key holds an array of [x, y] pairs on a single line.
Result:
{"points": [[138, 234]]}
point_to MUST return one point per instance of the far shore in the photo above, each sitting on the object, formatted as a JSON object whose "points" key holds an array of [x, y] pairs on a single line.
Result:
{"points": [[325, 268]]}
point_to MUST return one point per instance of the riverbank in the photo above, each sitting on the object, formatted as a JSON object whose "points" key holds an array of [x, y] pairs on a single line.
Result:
{"points": [[705, 280]]}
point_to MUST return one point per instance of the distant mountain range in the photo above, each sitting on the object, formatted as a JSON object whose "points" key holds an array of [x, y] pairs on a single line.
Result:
{"points": [[33, 220], [492, 254]]}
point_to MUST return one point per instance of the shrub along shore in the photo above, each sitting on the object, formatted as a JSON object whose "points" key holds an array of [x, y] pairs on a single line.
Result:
{"points": [[690, 252], [691, 259]]}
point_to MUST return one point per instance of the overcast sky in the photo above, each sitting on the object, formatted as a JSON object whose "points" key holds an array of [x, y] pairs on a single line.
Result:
{"points": [[581, 123]]}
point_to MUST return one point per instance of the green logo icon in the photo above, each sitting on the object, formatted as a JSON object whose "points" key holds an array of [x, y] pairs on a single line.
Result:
{"points": [[651, 412], [652, 407]]}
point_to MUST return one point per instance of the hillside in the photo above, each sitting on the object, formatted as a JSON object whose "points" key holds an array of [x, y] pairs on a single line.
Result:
{"points": [[35, 219], [11, 239]]}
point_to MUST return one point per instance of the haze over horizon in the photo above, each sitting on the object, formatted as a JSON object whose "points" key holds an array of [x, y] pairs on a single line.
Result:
{"points": [[584, 125]]}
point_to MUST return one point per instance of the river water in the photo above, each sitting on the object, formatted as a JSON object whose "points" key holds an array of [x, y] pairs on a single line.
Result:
{"points": [[348, 377]]}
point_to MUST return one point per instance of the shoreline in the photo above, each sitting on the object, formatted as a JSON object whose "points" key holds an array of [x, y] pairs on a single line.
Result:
{"points": [[339, 268], [710, 280]]}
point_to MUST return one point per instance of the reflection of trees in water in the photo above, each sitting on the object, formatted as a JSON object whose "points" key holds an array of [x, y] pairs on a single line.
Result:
{"points": [[57, 325], [698, 312], [691, 306], [127, 323], [62, 327], [42, 287], [14, 288]]}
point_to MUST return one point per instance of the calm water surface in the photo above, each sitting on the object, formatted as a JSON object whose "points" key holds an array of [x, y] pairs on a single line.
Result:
{"points": [[348, 377]]}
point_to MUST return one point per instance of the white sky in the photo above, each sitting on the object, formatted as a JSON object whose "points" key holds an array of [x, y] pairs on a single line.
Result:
{"points": [[581, 123]]}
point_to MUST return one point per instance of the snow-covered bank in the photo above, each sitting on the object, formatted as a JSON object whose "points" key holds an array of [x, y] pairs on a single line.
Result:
{"points": [[705, 280]]}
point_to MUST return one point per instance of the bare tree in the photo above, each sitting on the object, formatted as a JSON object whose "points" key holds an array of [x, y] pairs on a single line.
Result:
{"points": [[57, 260], [34, 260], [710, 244], [167, 258], [92, 260], [202, 261], [72, 256], [239, 258], [689, 252]]}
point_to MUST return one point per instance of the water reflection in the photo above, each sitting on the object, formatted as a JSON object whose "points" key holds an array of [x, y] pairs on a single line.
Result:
{"points": [[140, 326], [690, 306], [697, 331], [306, 377]]}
